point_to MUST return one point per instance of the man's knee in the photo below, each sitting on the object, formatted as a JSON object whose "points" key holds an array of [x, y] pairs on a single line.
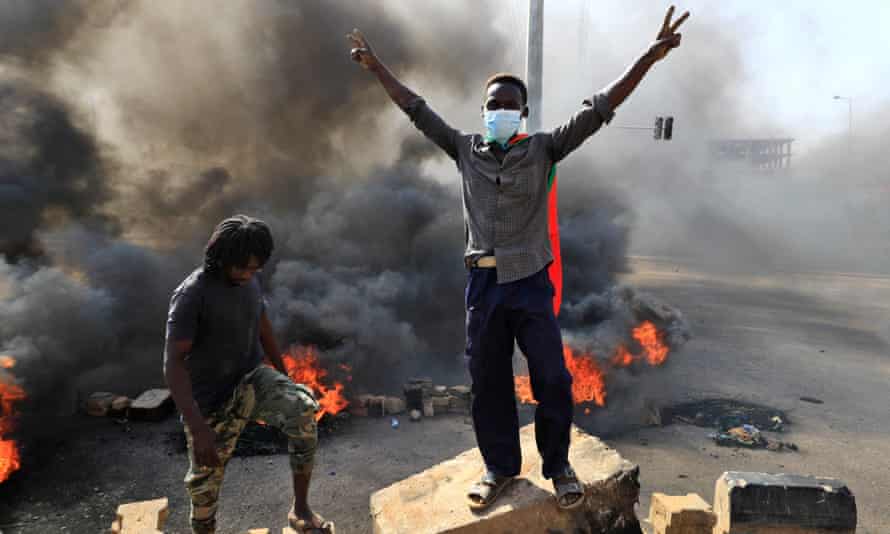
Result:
{"points": [[552, 383], [302, 445]]}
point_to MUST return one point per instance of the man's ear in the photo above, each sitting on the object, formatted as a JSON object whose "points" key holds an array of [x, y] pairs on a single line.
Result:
{"points": [[524, 112]]}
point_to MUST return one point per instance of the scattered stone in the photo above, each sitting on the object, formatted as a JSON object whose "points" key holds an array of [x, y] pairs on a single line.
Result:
{"points": [[99, 403], [434, 501], [654, 414], [394, 405], [681, 514], [460, 391], [441, 404], [458, 404], [761, 503], [428, 408], [417, 390], [119, 406], [143, 517], [152, 405]]}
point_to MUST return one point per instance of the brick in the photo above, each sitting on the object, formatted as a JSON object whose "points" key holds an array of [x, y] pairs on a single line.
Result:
{"points": [[762, 503], [434, 501], [142, 517], [152, 405], [681, 514]]}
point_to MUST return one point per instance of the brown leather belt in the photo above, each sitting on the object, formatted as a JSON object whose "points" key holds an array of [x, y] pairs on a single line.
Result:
{"points": [[484, 262]]}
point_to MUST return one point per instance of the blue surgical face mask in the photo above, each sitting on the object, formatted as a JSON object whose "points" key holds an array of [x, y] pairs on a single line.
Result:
{"points": [[502, 124]]}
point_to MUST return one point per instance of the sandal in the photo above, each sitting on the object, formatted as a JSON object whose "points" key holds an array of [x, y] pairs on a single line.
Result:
{"points": [[486, 491], [301, 526], [566, 486]]}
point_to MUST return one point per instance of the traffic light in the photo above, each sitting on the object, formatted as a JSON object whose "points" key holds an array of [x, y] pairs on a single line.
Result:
{"points": [[659, 127], [668, 128]]}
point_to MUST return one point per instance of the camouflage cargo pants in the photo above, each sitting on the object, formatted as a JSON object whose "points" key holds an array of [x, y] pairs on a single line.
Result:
{"points": [[263, 394]]}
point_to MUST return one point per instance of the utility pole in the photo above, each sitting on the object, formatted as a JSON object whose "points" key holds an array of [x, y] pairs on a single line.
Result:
{"points": [[534, 64]]}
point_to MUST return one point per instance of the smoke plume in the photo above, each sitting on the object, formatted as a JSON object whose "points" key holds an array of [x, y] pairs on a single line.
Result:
{"points": [[131, 129]]}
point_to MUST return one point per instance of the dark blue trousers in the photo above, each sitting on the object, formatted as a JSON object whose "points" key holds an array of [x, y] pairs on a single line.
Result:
{"points": [[496, 316]]}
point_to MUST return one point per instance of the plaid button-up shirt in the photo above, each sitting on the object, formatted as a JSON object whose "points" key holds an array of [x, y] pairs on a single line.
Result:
{"points": [[505, 199]]}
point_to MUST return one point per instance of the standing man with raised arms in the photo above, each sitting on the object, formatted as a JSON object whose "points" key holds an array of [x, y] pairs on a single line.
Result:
{"points": [[506, 179]]}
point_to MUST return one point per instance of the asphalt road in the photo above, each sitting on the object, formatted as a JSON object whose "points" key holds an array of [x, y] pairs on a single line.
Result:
{"points": [[769, 339]]}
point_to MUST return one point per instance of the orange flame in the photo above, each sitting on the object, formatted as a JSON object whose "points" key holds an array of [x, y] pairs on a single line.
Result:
{"points": [[10, 393], [524, 389], [649, 338], [303, 368], [622, 357], [588, 379], [588, 383]]}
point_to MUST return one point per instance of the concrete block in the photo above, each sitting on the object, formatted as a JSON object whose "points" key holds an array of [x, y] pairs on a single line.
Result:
{"points": [[434, 501], [762, 503], [143, 517], [681, 514], [152, 405]]}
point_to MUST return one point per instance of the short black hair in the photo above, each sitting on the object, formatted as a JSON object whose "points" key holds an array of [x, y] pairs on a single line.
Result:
{"points": [[506, 77], [235, 240]]}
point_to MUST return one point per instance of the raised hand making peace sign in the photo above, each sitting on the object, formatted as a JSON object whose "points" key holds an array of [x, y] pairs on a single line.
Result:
{"points": [[667, 38]]}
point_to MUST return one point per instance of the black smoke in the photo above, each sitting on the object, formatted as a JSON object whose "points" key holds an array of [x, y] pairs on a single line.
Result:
{"points": [[144, 124]]}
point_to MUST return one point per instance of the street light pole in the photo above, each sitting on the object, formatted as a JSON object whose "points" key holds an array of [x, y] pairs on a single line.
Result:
{"points": [[534, 64], [849, 100]]}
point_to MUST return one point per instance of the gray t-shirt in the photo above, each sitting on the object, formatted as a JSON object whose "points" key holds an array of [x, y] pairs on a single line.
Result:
{"points": [[223, 321]]}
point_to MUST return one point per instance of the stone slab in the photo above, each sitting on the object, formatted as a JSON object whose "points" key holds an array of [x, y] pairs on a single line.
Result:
{"points": [[763, 503], [152, 405], [142, 517], [681, 514], [434, 501]]}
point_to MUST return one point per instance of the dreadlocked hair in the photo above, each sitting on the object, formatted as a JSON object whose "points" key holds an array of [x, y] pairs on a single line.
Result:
{"points": [[235, 240]]}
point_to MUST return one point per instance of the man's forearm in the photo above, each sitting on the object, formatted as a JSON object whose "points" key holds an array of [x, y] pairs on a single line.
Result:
{"points": [[270, 344], [618, 91], [400, 95], [180, 385]]}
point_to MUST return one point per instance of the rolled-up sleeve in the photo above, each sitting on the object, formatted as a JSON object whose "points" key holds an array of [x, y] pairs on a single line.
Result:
{"points": [[569, 136], [433, 126]]}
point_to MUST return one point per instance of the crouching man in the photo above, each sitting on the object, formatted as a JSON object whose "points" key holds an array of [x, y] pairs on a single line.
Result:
{"points": [[217, 334]]}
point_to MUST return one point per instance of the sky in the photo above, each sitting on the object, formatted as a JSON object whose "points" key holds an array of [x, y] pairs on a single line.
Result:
{"points": [[797, 54]]}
